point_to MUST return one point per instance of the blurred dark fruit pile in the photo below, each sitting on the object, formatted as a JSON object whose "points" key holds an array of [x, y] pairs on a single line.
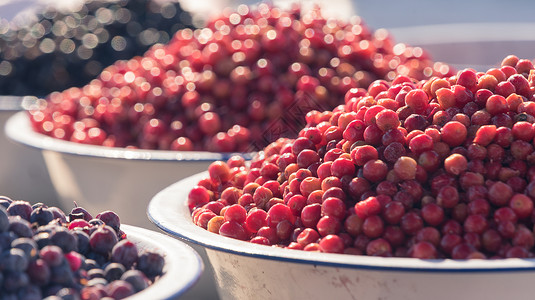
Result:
{"points": [[60, 49]]}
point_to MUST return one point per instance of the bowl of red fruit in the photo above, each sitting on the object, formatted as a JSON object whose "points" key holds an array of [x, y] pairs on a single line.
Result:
{"points": [[231, 87], [411, 190], [51, 253]]}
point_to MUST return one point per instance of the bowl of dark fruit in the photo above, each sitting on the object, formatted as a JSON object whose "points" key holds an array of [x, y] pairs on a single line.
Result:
{"points": [[47, 252], [427, 194]]}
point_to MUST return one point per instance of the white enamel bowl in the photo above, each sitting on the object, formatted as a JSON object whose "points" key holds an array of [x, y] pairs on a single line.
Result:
{"points": [[182, 267], [102, 178], [248, 271], [23, 173]]}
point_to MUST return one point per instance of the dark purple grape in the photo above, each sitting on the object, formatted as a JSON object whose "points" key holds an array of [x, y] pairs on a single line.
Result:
{"points": [[113, 271], [52, 290], [96, 222], [4, 220], [68, 294], [41, 215], [151, 263], [64, 239], [14, 260], [62, 274], [95, 273], [10, 296], [125, 252], [39, 204], [97, 281], [137, 279], [30, 292], [103, 239], [93, 292], [48, 228], [52, 255], [79, 213], [120, 289], [6, 238], [20, 208], [111, 219], [5, 201], [39, 272], [28, 245], [90, 264], [20, 226], [83, 241], [42, 239], [97, 257], [58, 214], [15, 280], [121, 235]]}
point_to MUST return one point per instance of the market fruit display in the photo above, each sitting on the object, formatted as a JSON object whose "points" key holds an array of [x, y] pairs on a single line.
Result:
{"points": [[55, 48], [439, 168], [48, 253], [236, 85]]}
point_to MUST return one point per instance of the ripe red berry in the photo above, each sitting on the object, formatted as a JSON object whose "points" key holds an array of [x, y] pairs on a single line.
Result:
{"points": [[453, 133], [331, 244], [362, 154], [522, 205], [455, 164], [405, 168], [387, 119], [369, 206]]}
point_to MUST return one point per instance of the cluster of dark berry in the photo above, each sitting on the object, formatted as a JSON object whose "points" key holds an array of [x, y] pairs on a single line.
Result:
{"points": [[46, 253], [63, 49]]}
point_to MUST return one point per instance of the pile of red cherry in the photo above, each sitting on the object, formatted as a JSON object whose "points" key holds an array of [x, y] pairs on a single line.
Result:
{"points": [[246, 79], [442, 168]]}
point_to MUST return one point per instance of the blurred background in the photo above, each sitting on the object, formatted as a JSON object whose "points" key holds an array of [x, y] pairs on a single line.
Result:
{"points": [[378, 14], [464, 33]]}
